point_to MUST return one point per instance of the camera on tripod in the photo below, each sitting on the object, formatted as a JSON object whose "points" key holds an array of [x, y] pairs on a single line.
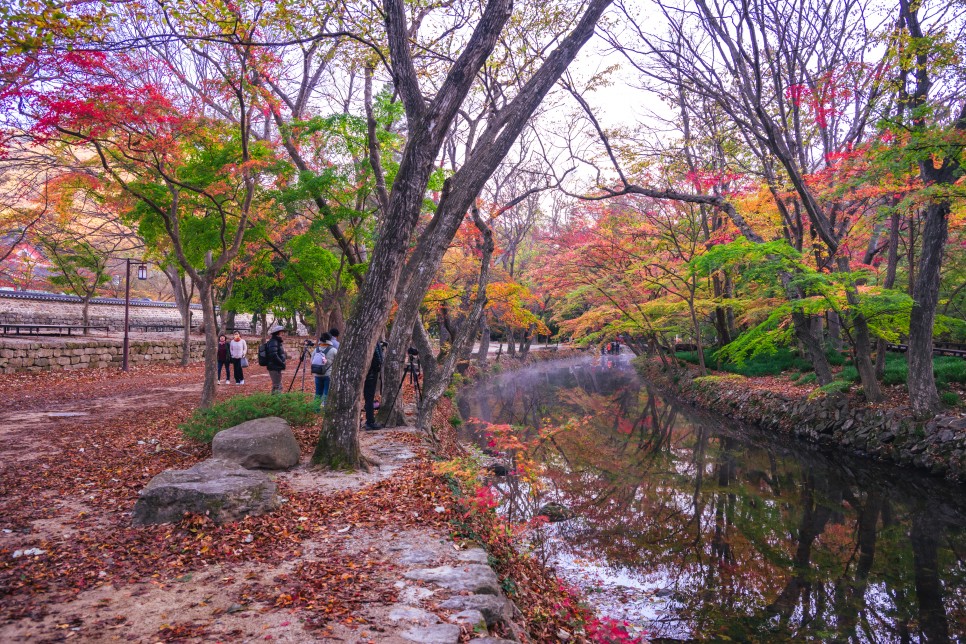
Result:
{"points": [[412, 364], [310, 343]]}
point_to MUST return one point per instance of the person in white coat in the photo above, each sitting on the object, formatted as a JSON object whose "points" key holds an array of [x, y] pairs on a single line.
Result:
{"points": [[239, 351]]}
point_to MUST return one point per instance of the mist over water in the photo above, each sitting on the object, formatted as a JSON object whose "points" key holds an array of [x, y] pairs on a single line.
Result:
{"points": [[690, 526]]}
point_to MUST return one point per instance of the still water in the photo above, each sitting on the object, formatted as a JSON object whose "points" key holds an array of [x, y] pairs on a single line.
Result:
{"points": [[691, 527]]}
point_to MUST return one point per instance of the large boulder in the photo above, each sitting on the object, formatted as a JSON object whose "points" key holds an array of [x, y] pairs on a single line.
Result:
{"points": [[263, 443], [472, 578], [219, 489]]}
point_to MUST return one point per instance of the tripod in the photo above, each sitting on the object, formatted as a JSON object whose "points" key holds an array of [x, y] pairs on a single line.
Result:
{"points": [[413, 371], [306, 348]]}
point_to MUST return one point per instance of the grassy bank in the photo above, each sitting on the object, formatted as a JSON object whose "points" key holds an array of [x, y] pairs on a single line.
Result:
{"points": [[950, 372]]}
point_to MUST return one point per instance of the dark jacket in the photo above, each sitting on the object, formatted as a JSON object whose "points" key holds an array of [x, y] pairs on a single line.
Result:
{"points": [[276, 354], [223, 352], [376, 365]]}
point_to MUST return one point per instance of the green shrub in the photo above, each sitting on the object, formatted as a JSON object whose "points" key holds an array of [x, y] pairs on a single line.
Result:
{"points": [[849, 373], [834, 387], [835, 358], [760, 365], [455, 421], [949, 369], [730, 377], [949, 398], [297, 408]]}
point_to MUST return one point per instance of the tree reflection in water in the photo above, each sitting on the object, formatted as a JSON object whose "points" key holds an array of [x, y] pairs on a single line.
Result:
{"points": [[750, 537]]}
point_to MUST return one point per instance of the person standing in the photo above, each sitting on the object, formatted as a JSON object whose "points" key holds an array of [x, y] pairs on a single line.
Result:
{"points": [[322, 360], [224, 360], [334, 335], [369, 388], [275, 354], [238, 349]]}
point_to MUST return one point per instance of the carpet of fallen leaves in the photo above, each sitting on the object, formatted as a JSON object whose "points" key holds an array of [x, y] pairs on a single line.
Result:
{"points": [[68, 485]]}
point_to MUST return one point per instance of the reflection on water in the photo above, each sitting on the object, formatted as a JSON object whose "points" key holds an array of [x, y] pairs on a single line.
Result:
{"points": [[698, 528]]}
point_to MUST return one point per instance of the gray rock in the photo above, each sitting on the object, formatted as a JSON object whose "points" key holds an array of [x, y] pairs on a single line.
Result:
{"points": [[491, 640], [400, 613], [495, 609], [224, 491], [438, 634], [473, 555], [473, 578], [414, 594], [263, 443], [472, 618], [417, 556]]}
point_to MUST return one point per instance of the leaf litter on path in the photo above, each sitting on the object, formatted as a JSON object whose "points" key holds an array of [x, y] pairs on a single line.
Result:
{"points": [[69, 492]]}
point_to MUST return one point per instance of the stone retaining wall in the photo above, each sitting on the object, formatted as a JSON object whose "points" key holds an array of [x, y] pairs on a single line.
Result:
{"points": [[25, 311], [890, 435], [30, 356]]}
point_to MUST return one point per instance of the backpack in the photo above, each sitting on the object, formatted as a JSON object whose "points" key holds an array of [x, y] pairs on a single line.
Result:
{"points": [[321, 365], [263, 355]]}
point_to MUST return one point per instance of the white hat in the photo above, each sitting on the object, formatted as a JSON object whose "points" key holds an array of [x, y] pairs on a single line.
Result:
{"points": [[275, 329]]}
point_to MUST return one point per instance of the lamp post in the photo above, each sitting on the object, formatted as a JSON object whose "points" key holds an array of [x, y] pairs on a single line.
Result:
{"points": [[142, 275]]}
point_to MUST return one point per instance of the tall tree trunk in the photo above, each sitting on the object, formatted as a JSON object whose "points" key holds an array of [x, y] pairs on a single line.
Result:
{"points": [[721, 314], [861, 342], [484, 343], [463, 341], [85, 314], [183, 301], [208, 388], [923, 395], [320, 317], [834, 330], [393, 374], [428, 123], [525, 343], [889, 282], [934, 170], [697, 333], [813, 348]]}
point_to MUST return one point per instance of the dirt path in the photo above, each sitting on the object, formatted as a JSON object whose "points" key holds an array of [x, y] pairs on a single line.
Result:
{"points": [[329, 565]]}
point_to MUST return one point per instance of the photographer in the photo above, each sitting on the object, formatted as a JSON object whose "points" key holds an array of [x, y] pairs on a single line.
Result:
{"points": [[369, 388], [275, 357], [322, 360]]}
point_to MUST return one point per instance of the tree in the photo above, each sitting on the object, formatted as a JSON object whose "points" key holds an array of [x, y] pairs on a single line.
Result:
{"points": [[80, 268], [938, 148], [181, 176], [429, 123]]}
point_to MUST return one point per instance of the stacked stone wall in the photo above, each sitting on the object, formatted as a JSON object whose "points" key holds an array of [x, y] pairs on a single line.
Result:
{"points": [[27, 311], [891, 435], [59, 355]]}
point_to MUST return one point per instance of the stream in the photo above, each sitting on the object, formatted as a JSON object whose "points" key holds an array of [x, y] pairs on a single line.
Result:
{"points": [[692, 527]]}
